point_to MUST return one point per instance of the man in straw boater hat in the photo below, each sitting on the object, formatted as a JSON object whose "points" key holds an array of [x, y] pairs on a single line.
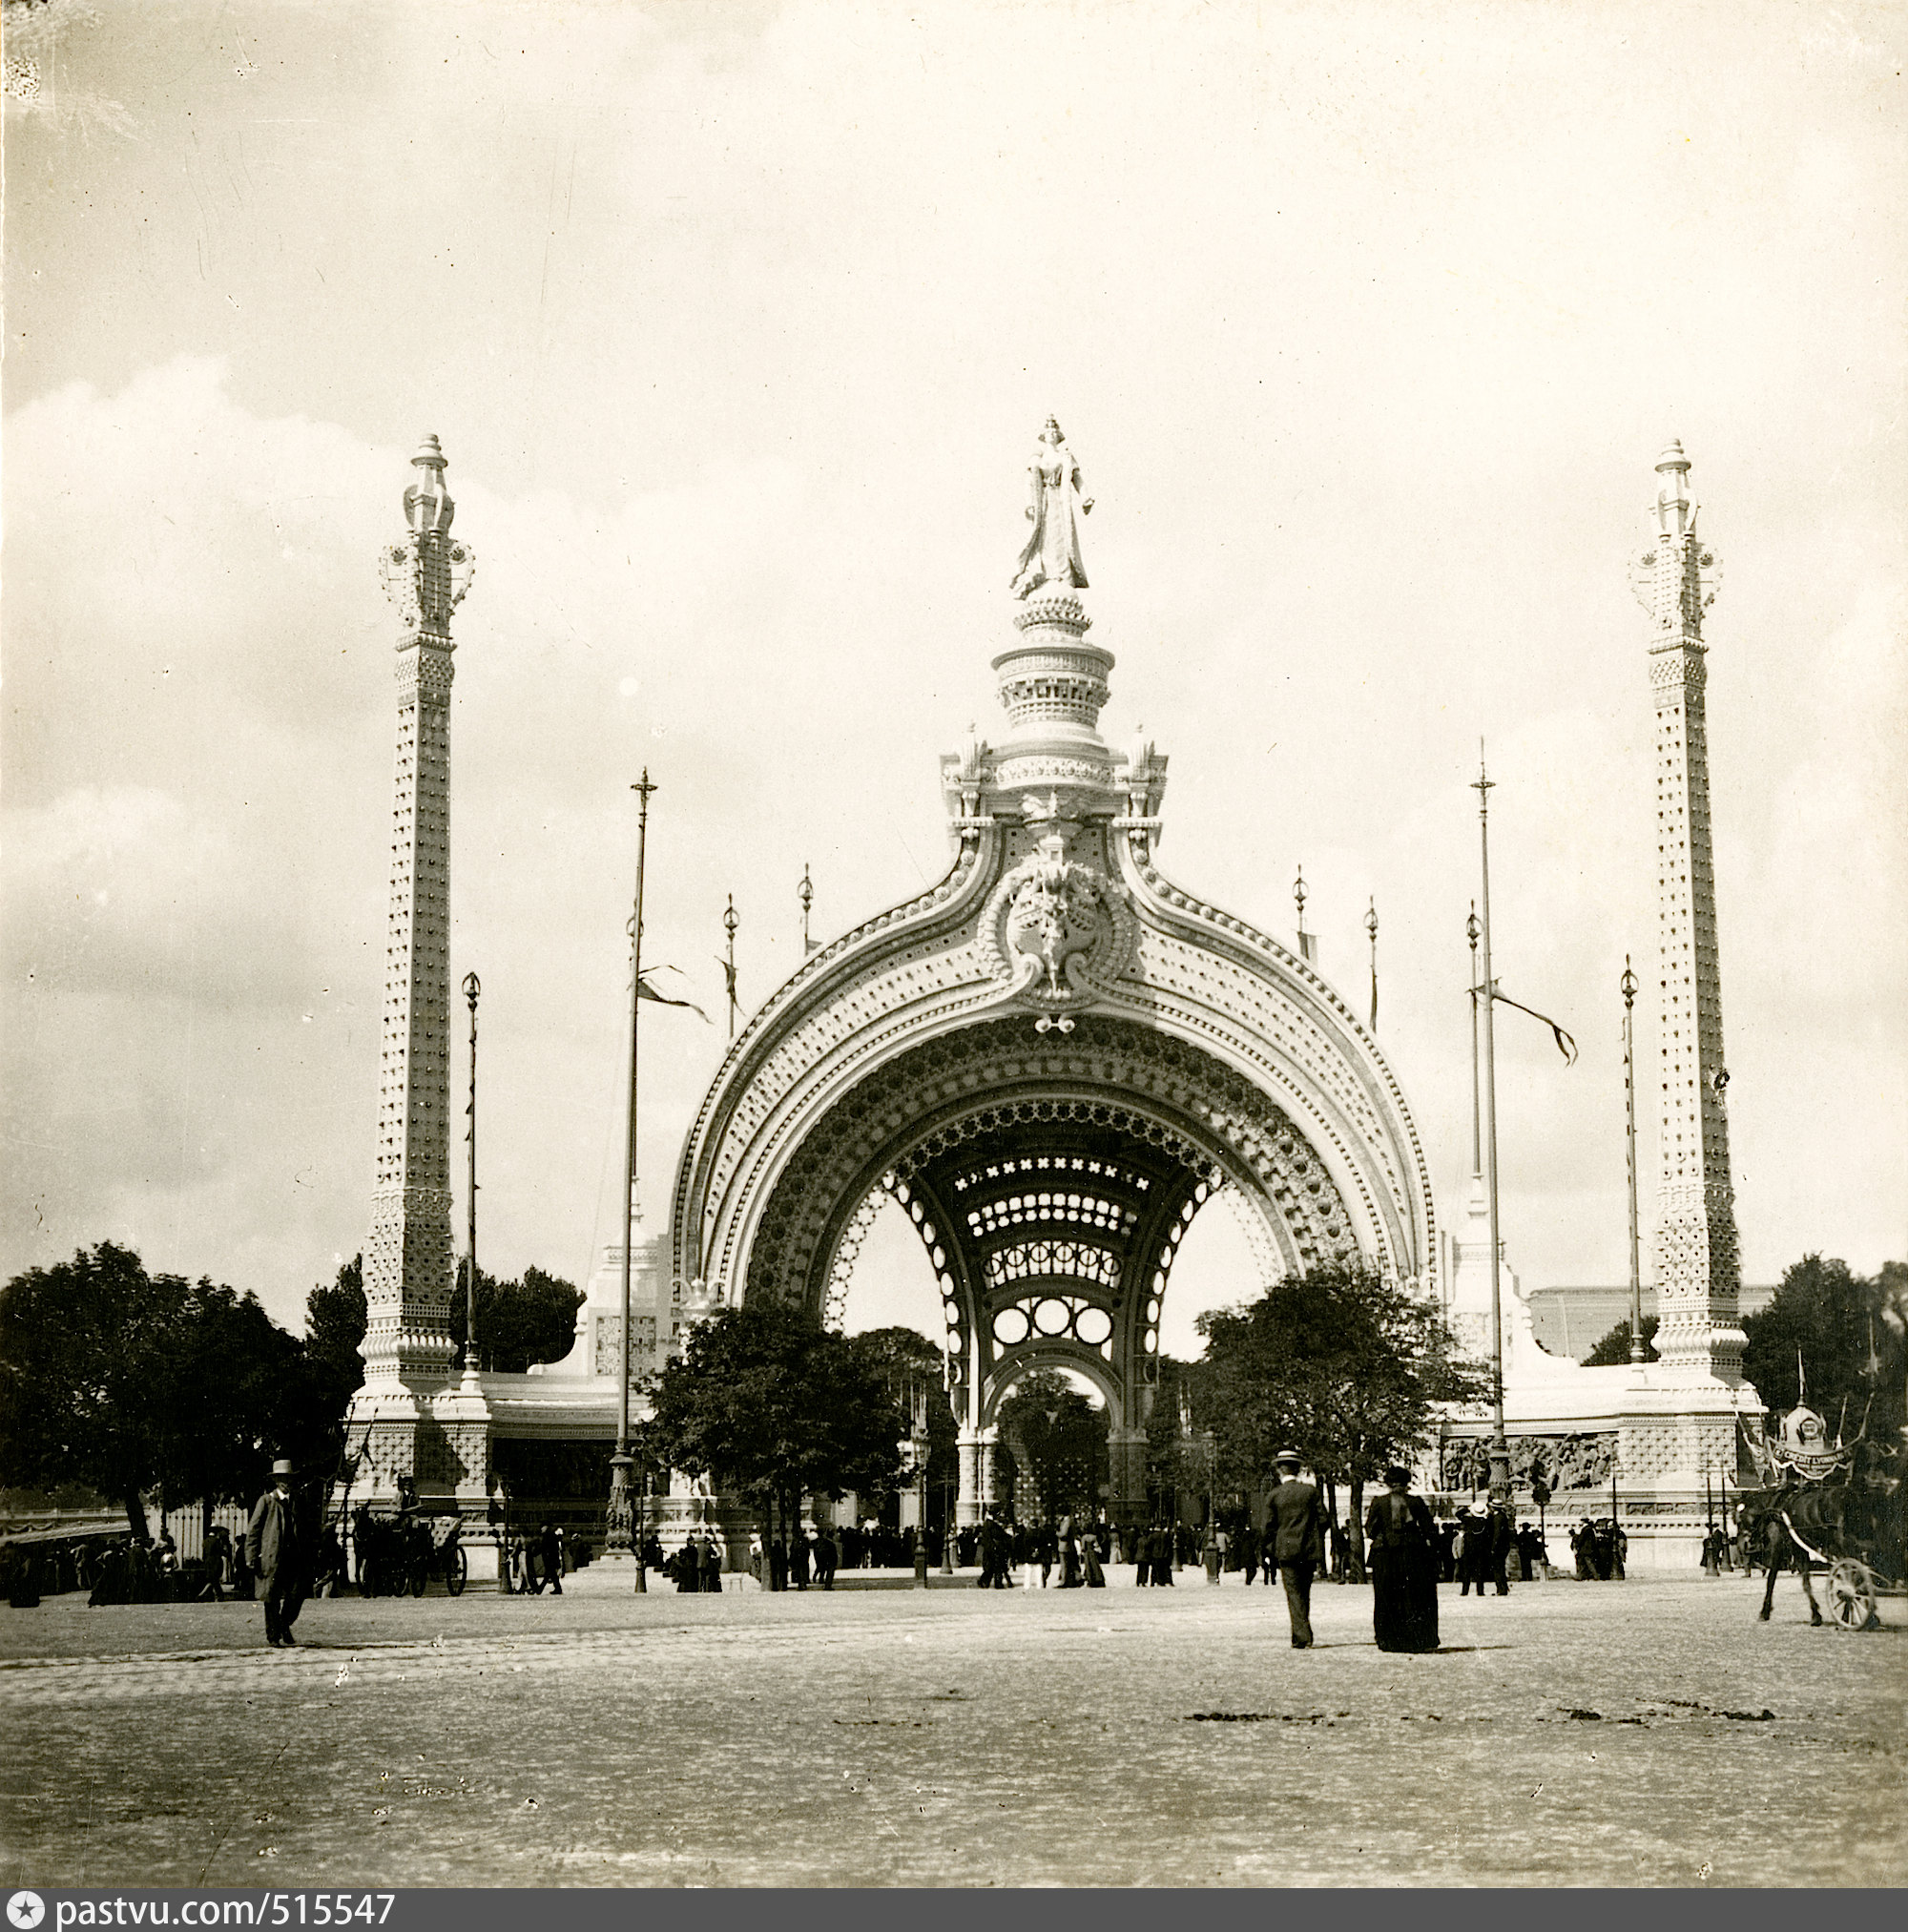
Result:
{"points": [[1295, 1531], [274, 1548]]}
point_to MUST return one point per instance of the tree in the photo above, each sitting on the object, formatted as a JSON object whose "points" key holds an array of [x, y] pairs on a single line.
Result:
{"points": [[334, 1326], [1341, 1365], [766, 1400], [1613, 1350], [1177, 1459], [331, 1367], [910, 1368], [136, 1384], [1058, 1439], [1844, 1332], [518, 1322]]}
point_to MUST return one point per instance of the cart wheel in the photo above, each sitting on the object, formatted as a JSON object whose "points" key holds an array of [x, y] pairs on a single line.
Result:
{"points": [[456, 1571], [1851, 1595]]}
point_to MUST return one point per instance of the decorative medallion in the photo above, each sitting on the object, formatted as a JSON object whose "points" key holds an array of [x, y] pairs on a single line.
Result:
{"points": [[1057, 933]]}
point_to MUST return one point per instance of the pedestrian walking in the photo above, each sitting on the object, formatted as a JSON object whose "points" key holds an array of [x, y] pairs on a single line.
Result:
{"points": [[995, 1548], [827, 1559], [1296, 1526], [218, 1561], [801, 1559], [275, 1554], [1091, 1575], [1402, 1542], [712, 1565]]}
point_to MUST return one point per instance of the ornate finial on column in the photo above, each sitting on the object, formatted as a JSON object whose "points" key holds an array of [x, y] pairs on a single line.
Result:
{"points": [[1306, 949], [428, 575]]}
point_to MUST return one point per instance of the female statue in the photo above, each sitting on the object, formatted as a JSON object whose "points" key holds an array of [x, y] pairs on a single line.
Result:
{"points": [[1052, 551]]}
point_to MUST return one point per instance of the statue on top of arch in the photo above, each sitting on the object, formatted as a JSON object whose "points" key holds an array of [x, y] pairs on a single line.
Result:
{"points": [[1052, 554]]}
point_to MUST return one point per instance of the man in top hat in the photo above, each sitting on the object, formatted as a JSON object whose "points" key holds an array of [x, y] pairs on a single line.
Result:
{"points": [[275, 1554], [1294, 1527]]}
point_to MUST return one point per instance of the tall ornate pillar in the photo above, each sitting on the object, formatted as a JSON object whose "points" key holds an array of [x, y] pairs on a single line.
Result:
{"points": [[1697, 1269], [409, 1268], [968, 1509], [990, 1440], [1125, 1474]]}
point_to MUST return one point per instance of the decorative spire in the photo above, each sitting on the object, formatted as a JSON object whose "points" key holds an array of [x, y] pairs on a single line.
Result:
{"points": [[428, 575]]}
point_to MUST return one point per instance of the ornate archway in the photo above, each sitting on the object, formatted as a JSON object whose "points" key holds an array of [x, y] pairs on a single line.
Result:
{"points": [[1051, 1059]]}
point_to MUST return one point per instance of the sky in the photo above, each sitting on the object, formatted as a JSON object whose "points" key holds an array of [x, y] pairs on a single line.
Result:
{"points": [[1367, 326]]}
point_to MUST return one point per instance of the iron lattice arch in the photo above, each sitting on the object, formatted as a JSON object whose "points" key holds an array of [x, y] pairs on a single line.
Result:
{"points": [[1052, 1183]]}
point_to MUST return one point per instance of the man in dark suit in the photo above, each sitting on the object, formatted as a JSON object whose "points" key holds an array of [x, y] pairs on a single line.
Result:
{"points": [[277, 1556], [1294, 1527]]}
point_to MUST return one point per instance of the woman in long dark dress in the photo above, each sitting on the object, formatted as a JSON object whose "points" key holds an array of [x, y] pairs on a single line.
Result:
{"points": [[1402, 1543]]}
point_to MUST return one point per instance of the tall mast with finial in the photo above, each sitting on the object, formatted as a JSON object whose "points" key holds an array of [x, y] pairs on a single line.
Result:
{"points": [[408, 1266], [1697, 1263], [805, 892], [731, 920], [619, 1523], [1307, 950], [1500, 1449]]}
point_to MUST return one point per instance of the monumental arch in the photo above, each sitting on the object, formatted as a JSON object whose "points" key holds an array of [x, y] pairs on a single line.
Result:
{"points": [[1053, 1059]]}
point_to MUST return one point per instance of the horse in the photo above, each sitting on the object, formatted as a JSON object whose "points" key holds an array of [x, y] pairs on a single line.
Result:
{"points": [[1790, 1522]]}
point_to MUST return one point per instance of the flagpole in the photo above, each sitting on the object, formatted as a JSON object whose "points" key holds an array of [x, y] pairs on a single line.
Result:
{"points": [[731, 920], [805, 892], [1471, 931], [619, 1538], [1626, 986], [473, 988], [1371, 926], [1500, 1449]]}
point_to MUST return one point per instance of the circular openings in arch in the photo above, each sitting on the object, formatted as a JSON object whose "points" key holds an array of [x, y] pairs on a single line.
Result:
{"points": [[1053, 1318]]}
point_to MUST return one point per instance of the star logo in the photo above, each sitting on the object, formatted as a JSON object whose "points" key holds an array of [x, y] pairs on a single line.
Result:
{"points": [[25, 1910]]}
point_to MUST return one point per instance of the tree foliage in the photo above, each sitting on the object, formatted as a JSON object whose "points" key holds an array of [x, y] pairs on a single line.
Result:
{"points": [[766, 1400], [1058, 1439], [1847, 1330], [1613, 1351], [1339, 1364], [910, 1368], [518, 1322], [137, 1384], [1177, 1458]]}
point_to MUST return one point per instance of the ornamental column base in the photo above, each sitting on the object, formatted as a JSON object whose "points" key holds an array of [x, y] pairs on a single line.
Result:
{"points": [[968, 1509], [1126, 1475]]}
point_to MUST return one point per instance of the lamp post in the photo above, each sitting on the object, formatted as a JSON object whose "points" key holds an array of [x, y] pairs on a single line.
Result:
{"points": [[618, 1526], [473, 986], [1626, 986], [1500, 1449]]}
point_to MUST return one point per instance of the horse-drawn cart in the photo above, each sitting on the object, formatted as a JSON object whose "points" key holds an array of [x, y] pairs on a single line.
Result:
{"points": [[1840, 1508], [405, 1551]]}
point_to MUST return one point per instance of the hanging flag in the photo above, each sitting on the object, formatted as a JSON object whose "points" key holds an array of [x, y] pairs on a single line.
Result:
{"points": [[728, 966], [646, 991], [1565, 1046]]}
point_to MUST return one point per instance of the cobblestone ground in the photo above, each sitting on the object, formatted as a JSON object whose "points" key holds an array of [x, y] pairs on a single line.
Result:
{"points": [[1645, 1733]]}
